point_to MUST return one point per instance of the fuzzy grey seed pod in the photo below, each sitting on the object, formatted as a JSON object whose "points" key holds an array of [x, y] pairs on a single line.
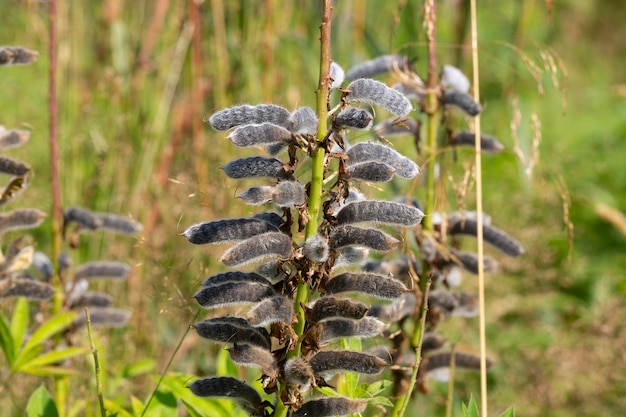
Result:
{"points": [[412, 92], [27, 288], [13, 167], [443, 300], [461, 360], [350, 255], [12, 138], [119, 224], [487, 143], [273, 271], [379, 65], [16, 55], [392, 128], [343, 360], [469, 261], [104, 317], [224, 386], [43, 265], [246, 114], [102, 269], [453, 79], [21, 219], [255, 357], [492, 235], [398, 268], [232, 293], [235, 276], [276, 309], [373, 284], [256, 167], [275, 148], [337, 75], [91, 299], [85, 219], [327, 307], [232, 330], [400, 308], [316, 248], [273, 244], [340, 328], [263, 134], [467, 304], [289, 194], [463, 101], [226, 230], [258, 195], [432, 341], [377, 152], [270, 217], [383, 212], [353, 118], [376, 93], [370, 238], [331, 406], [303, 121], [298, 373], [370, 172]]}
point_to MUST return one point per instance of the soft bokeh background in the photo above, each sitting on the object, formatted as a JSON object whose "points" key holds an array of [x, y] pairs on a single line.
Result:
{"points": [[137, 77]]}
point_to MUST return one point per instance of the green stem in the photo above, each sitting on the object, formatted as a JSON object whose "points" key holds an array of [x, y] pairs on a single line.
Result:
{"points": [[96, 360]]}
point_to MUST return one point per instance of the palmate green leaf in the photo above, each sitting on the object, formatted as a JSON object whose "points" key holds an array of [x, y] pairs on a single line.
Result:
{"points": [[471, 410], [384, 401], [509, 412], [19, 323], [373, 389], [55, 325], [50, 358], [6, 341], [40, 404]]}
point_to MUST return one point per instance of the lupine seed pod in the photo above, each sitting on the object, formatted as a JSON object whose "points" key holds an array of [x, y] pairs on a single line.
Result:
{"points": [[442, 300], [343, 360], [91, 299], [467, 304], [410, 91], [256, 167], [391, 128], [461, 360], [453, 79], [85, 219], [331, 406], [298, 373], [102, 269], [327, 307], [273, 244], [400, 308], [398, 268], [463, 101], [262, 134], [119, 224], [370, 172], [339, 328], [254, 356], [316, 248], [12, 138], [432, 341], [271, 218], [276, 309], [232, 293], [487, 143], [13, 167], [275, 148], [376, 93], [235, 276], [16, 55], [246, 114], [273, 271], [255, 196], [27, 288], [43, 265], [224, 386], [457, 216], [303, 121], [336, 74], [375, 285], [226, 230], [384, 212], [379, 65], [353, 118], [469, 261], [496, 237], [350, 255], [21, 219], [370, 238], [104, 317], [232, 330], [13, 189], [376, 152], [289, 194]]}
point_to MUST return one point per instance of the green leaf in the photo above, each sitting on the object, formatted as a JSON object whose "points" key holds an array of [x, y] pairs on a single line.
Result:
{"points": [[55, 325], [40, 404], [113, 407], [328, 391], [384, 401], [51, 358], [351, 378], [6, 341], [163, 404], [50, 371], [142, 366], [191, 410], [510, 412], [373, 389], [19, 322], [471, 410], [136, 405]]}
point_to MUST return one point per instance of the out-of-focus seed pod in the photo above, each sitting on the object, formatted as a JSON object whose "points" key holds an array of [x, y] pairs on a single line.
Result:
{"points": [[225, 386], [303, 121], [21, 219], [336, 74], [91, 299], [398, 267], [400, 308], [298, 373], [235, 276], [343, 360], [376, 93], [370, 172], [392, 128], [376, 152], [27, 288], [316, 248], [119, 224], [289, 194], [372, 284], [339, 328], [104, 317], [331, 406], [467, 304], [232, 293], [276, 309], [463, 101], [413, 92], [384, 212], [442, 300], [16, 55], [256, 167], [273, 271], [432, 341], [379, 65], [469, 261], [353, 118], [13, 167], [462, 360], [263, 134], [327, 307], [350, 255], [254, 356], [255, 196], [226, 230], [12, 138], [496, 237], [370, 238], [453, 79], [13, 189], [102, 269], [43, 265], [273, 244], [232, 330], [85, 219], [487, 143], [246, 114]]}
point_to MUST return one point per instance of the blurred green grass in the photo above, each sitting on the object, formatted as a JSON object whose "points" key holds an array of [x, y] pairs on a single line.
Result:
{"points": [[555, 319]]}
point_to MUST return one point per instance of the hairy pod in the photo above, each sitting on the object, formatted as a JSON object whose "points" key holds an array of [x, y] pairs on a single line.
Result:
{"points": [[393, 127], [353, 118], [16, 55], [43, 265], [91, 299], [227, 230], [13, 189], [350, 255], [375, 285], [270, 217], [432, 341], [12, 138], [246, 114], [384, 212], [235, 276], [370, 238], [339, 328], [303, 121], [102, 269], [263, 134], [298, 373], [376, 93], [370, 172], [410, 91], [231, 293], [444, 359], [21, 219], [400, 308], [337, 75], [232, 330], [343, 360], [273, 271], [376, 152], [453, 79], [469, 261], [399, 267], [463, 101], [27, 288], [316, 248], [104, 317], [289, 194], [327, 307], [85, 219], [496, 237], [119, 224], [487, 143], [378, 66], [254, 356], [276, 309], [467, 304], [331, 406], [256, 167], [257, 195], [225, 386], [442, 300], [273, 244]]}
